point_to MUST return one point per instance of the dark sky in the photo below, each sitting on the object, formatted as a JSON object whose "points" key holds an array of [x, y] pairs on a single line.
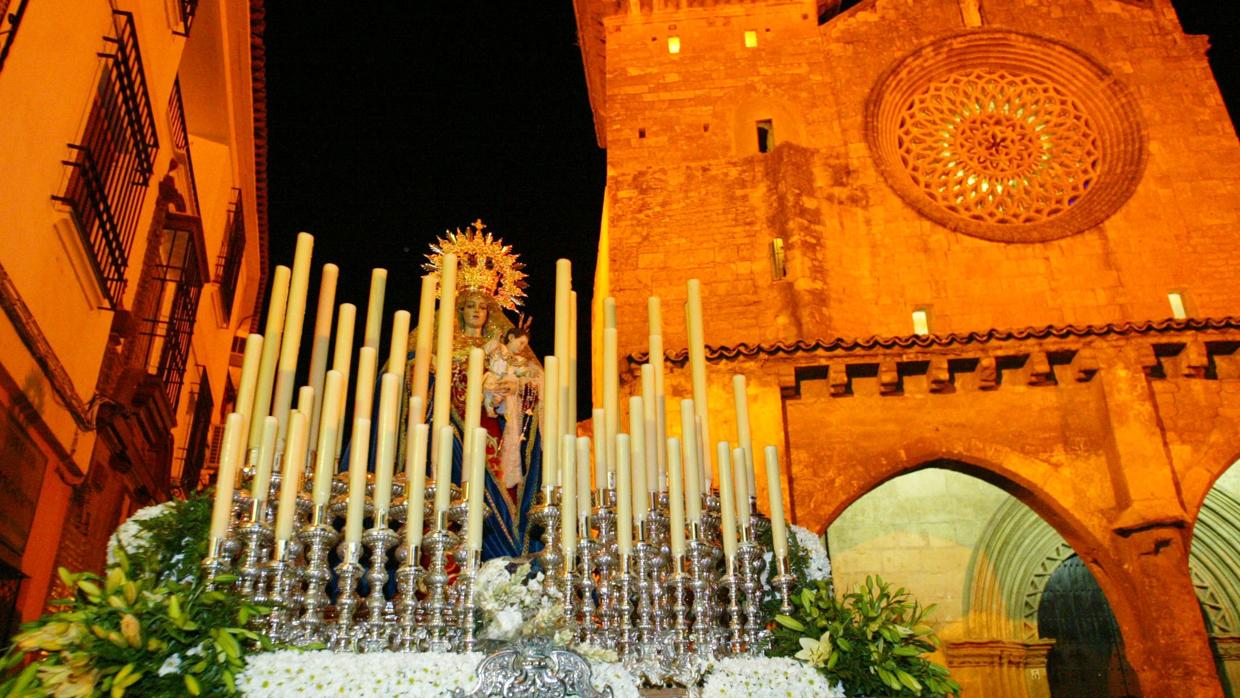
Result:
{"points": [[393, 121]]}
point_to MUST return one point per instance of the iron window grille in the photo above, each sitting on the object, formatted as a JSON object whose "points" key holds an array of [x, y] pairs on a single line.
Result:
{"points": [[180, 142], [9, 23], [113, 163], [199, 433], [228, 266], [189, 8], [168, 322]]}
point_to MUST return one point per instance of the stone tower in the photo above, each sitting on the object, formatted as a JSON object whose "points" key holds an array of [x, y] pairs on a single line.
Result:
{"points": [[994, 236]]}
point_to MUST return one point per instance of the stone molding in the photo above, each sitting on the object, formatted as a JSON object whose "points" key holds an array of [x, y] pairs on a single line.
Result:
{"points": [[998, 653]]}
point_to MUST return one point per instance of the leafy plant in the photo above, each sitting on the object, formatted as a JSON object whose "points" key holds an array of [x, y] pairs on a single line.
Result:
{"points": [[872, 640], [137, 629]]}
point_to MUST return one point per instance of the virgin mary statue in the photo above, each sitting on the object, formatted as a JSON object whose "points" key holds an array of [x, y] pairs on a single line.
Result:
{"points": [[490, 282]]}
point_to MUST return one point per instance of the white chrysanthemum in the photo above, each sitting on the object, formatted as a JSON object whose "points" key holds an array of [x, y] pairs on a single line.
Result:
{"points": [[817, 565], [129, 535], [766, 677], [171, 665]]}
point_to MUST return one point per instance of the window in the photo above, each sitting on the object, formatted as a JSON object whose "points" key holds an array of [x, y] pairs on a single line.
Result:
{"points": [[112, 164], [168, 318], [751, 39], [778, 270], [673, 44], [199, 433], [921, 321], [766, 135], [1178, 311], [180, 142], [228, 266]]}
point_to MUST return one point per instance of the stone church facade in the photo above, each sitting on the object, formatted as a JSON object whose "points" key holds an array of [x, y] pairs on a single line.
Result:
{"points": [[995, 238]]}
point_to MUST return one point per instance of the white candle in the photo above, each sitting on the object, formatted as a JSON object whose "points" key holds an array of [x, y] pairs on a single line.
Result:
{"points": [[385, 443], [359, 453], [473, 405], [374, 308], [305, 399], [230, 454], [727, 502], [571, 407], [443, 352], [398, 348], [600, 448], [609, 312], [364, 389], [649, 418], [321, 346], [743, 438], [290, 481], [624, 505], [655, 311], [290, 343], [611, 395], [693, 472], [779, 530], [741, 488], [249, 374], [583, 478], [415, 478], [443, 474], [568, 499], [477, 487], [697, 367], [675, 501], [271, 354], [637, 436], [422, 342], [563, 322], [325, 453], [266, 456], [551, 421], [342, 360]]}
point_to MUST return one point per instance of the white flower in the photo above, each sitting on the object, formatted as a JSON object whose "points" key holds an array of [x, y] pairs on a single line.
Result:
{"points": [[817, 565], [504, 625], [815, 652], [766, 677], [171, 665], [129, 535]]}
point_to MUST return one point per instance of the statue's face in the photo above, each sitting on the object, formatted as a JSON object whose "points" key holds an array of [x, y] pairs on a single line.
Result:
{"points": [[473, 313], [518, 344]]}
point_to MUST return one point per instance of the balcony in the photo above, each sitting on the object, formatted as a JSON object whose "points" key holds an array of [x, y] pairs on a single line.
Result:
{"points": [[228, 266]]}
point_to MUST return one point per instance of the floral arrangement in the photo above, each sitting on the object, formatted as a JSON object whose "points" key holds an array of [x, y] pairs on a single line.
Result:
{"points": [[872, 640], [816, 564], [380, 675], [514, 602], [767, 677], [138, 629]]}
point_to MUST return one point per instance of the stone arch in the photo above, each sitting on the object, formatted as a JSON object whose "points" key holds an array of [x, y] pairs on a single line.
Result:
{"points": [[1214, 561]]}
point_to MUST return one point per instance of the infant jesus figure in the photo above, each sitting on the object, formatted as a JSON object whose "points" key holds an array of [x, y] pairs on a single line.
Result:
{"points": [[510, 391]]}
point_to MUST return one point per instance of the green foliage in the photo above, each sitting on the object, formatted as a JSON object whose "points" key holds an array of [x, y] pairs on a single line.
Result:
{"points": [[872, 640], [137, 630]]}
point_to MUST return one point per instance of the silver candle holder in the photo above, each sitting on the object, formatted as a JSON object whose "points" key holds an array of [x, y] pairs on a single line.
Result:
{"points": [[317, 538], [255, 536], [438, 544], [468, 609], [407, 605], [379, 539], [343, 635]]}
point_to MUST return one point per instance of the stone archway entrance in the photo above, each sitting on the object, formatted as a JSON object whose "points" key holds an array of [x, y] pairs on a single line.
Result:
{"points": [[1087, 659]]}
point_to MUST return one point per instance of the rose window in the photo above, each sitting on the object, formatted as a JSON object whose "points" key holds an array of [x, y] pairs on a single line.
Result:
{"points": [[1006, 137]]}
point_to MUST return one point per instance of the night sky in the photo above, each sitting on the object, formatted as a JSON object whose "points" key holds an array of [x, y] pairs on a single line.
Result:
{"points": [[390, 122]]}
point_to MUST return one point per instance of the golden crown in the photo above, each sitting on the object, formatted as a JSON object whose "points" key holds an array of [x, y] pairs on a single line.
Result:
{"points": [[484, 264]]}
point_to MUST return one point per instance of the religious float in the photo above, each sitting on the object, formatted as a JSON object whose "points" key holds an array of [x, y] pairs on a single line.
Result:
{"points": [[470, 538]]}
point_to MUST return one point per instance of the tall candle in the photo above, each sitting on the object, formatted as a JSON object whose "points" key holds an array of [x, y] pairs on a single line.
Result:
{"points": [[359, 453], [290, 481], [305, 399], [741, 398], [271, 354], [477, 487], [568, 499], [398, 347], [600, 448], [364, 390], [443, 474], [385, 443], [551, 421], [230, 454], [249, 374], [675, 500], [611, 395], [649, 417], [637, 437], [342, 359], [697, 367], [563, 289], [571, 407], [473, 405], [624, 505], [727, 502], [290, 343], [583, 478], [325, 452], [415, 477], [655, 311], [266, 456], [446, 318], [321, 345], [693, 472], [374, 309], [422, 342], [741, 487], [779, 530]]}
